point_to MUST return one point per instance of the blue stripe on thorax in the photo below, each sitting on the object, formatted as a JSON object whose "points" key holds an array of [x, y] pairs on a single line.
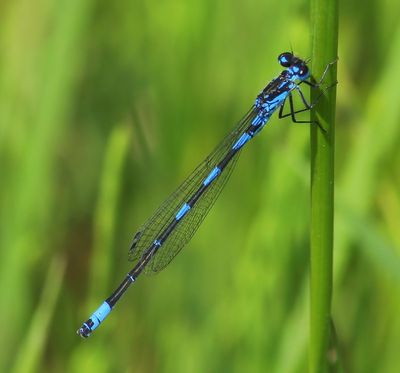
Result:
{"points": [[276, 101]]}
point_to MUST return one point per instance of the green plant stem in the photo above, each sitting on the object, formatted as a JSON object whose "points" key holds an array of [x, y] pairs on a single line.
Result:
{"points": [[324, 20]]}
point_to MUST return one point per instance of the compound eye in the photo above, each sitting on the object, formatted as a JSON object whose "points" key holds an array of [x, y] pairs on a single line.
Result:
{"points": [[285, 59]]}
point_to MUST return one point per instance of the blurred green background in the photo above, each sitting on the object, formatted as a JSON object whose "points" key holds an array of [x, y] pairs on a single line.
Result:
{"points": [[106, 106]]}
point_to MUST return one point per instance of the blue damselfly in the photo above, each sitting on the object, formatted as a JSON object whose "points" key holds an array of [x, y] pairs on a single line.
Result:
{"points": [[177, 219]]}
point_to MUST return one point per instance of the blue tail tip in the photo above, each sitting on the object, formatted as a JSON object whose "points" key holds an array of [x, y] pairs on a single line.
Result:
{"points": [[95, 320]]}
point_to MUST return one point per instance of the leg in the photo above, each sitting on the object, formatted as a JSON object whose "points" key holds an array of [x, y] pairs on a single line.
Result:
{"points": [[307, 105], [317, 84], [293, 112]]}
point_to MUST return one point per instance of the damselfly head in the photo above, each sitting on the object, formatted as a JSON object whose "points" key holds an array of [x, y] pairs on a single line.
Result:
{"points": [[297, 66]]}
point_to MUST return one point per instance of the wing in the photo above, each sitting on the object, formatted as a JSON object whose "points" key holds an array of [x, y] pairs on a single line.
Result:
{"points": [[166, 213]]}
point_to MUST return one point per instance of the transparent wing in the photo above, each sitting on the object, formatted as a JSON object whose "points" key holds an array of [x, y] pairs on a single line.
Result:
{"points": [[166, 213], [190, 223]]}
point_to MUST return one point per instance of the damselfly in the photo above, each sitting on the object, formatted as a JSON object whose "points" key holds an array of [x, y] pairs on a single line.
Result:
{"points": [[177, 219]]}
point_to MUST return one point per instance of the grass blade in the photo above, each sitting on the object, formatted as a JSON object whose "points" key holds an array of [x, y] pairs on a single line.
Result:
{"points": [[324, 20]]}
